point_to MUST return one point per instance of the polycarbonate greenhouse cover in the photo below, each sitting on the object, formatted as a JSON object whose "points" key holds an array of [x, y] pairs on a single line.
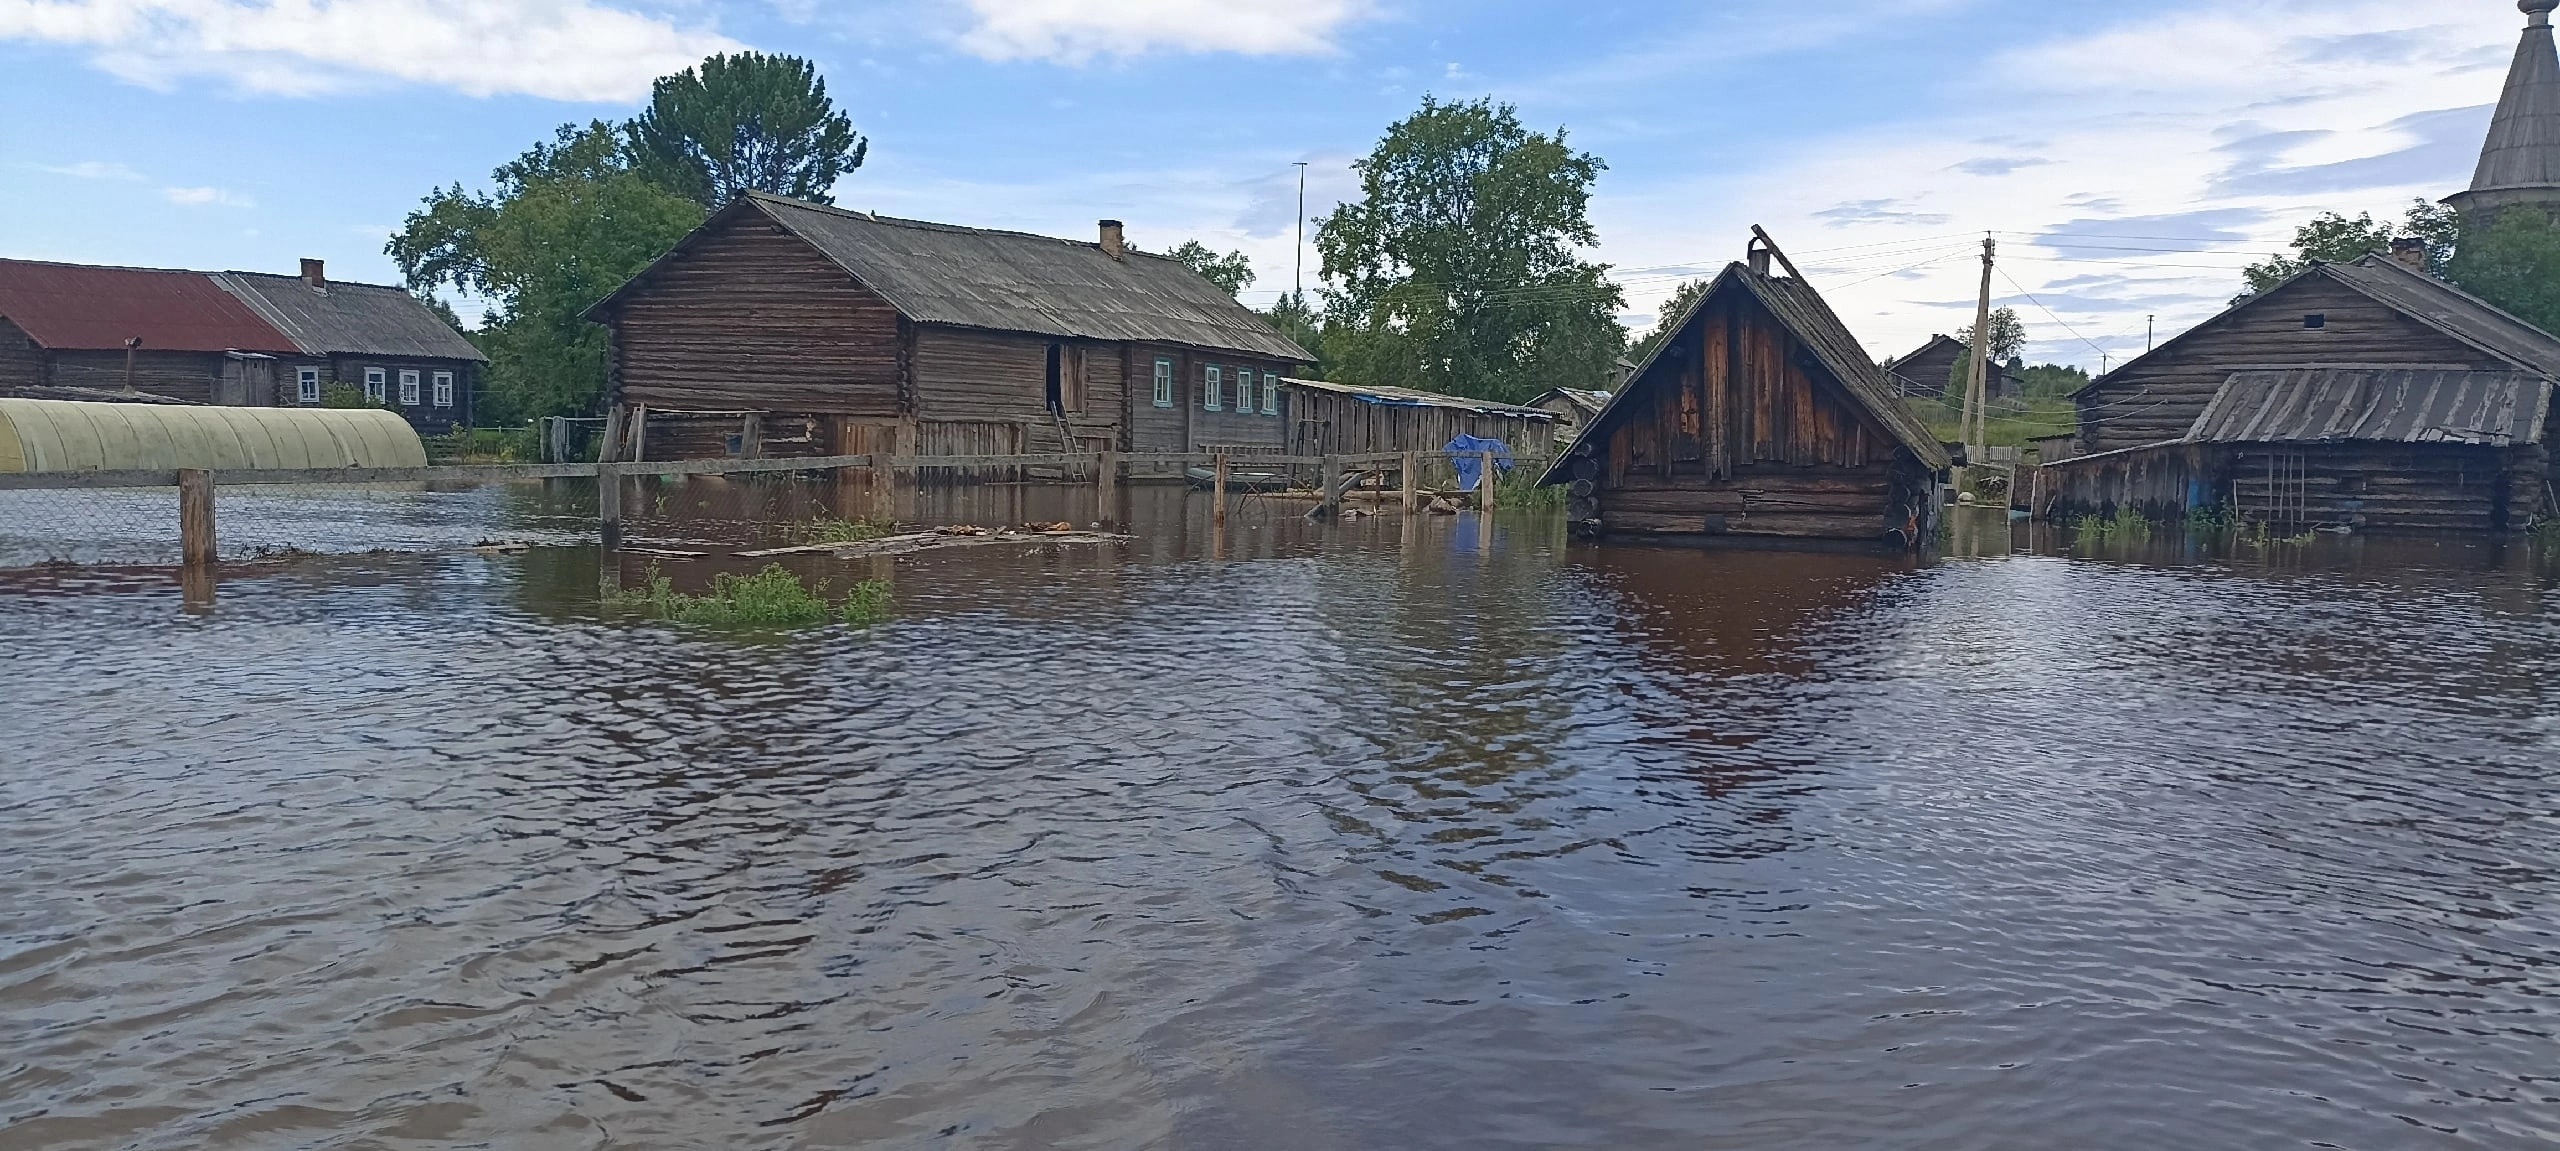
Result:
{"points": [[81, 436]]}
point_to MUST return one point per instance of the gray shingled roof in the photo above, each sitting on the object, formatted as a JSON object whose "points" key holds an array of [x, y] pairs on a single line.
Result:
{"points": [[1017, 282], [349, 319], [1802, 309], [2391, 405], [1410, 398], [2523, 149]]}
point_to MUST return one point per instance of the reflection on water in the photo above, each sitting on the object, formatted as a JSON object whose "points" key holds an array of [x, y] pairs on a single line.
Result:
{"points": [[1397, 833]]}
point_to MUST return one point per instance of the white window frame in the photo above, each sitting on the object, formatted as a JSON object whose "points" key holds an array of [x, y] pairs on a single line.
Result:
{"points": [[443, 385], [1244, 391], [1164, 382], [306, 385], [377, 385], [408, 387], [1213, 388], [1270, 392]]}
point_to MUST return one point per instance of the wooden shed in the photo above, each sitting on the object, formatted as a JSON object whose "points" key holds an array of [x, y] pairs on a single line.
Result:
{"points": [[781, 327], [1761, 418], [1574, 407], [2364, 449], [1330, 418]]}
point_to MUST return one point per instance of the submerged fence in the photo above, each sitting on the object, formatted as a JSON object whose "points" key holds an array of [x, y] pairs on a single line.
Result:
{"points": [[149, 518]]}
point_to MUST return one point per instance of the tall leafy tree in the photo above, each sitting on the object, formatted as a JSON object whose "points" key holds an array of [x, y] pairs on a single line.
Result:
{"points": [[2515, 264], [564, 225], [741, 122], [1458, 269], [1302, 324], [1672, 309], [1232, 273], [2008, 340], [2333, 238]]}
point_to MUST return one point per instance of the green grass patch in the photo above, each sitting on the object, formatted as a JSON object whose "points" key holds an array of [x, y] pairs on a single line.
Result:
{"points": [[773, 598], [2011, 422], [2127, 525], [483, 446], [2545, 536], [840, 531]]}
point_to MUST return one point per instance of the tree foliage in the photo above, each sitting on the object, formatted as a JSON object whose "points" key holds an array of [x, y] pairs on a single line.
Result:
{"points": [[1457, 270], [567, 223], [744, 122], [1677, 306], [2332, 238], [1232, 273], [2515, 264], [2008, 335], [1300, 322]]}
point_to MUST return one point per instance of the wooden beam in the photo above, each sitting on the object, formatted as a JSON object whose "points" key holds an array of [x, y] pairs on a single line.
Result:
{"points": [[1411, 482], [195, 517]]}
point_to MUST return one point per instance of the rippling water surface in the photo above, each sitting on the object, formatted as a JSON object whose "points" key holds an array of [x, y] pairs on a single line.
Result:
{"points": [[1391, 835]]}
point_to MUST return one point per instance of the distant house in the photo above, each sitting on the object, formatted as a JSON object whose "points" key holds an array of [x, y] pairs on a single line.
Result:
{"points": [[840, 332], [2364, 396], [1332, 418], [1924, 373], [76, 331], [1759, 418], [1574, 407]]}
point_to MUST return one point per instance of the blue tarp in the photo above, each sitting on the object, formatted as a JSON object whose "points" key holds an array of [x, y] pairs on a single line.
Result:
{"points": [[1467, 452]]}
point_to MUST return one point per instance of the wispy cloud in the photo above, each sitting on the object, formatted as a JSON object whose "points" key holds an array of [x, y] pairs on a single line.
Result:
{"points": [[92, 170], [556, 49], [1077, 31], [199, 197]]}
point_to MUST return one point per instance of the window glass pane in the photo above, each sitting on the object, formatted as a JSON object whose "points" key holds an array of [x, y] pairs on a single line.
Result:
{"points": [[1270, 393], [408, 387], [444, 389], [307, 385], [1244, 389], [1212, 388], [1164, 383]]}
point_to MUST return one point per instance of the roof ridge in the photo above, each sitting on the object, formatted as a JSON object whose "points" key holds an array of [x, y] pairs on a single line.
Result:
{"points": [[937, 225], [105, 267]]}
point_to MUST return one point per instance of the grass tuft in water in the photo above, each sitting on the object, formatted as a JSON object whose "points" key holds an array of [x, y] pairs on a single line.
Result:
{"points": [[2126, 525], [841, 531], [2546, 536], [773, 598]]}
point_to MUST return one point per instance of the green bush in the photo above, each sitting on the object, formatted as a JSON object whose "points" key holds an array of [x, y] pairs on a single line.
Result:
{"points": [[484, 445], [773, 598], [832, 531]]}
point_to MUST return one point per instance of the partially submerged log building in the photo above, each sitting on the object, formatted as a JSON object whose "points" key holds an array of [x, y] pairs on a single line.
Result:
{"points": [[1760, 418], [1355, 419], [781, 327], [2365, 396]]}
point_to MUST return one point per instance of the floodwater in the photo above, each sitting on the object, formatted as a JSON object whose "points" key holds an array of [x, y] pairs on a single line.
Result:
{"points": [[1393, 834]]}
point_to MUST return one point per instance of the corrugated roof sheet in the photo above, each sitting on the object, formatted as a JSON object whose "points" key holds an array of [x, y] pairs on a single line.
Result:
{"points": [[2392, 405], [350, 319], [80, 307], [2523, 148], [1408, 397], [1017, 282]]}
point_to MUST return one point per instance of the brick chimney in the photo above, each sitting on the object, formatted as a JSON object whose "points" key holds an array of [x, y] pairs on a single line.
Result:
{"points": [[2410, 252], [1115, 242], [313, 273]]}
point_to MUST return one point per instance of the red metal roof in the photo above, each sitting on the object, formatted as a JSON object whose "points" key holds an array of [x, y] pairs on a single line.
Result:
{"points": [[76, 306]]}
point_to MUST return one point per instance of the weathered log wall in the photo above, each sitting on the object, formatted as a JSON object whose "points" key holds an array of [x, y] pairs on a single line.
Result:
{"points": [[1331, 423], [21, 361], [753, 318]]}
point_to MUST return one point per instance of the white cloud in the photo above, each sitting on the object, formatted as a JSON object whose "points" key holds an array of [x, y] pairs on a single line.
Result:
{"points": [[2217, 126], [1076, 31], [92, 170], [557, 49], [197, 197]]}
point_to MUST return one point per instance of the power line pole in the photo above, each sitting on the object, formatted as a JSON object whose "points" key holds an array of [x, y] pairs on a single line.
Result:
{"points": [[1298, 293], [1977, 393], [2148, 324]]}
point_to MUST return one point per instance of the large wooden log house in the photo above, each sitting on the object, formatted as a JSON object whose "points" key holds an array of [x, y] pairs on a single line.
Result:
{"points": [[781, 327], [1762, 419]]}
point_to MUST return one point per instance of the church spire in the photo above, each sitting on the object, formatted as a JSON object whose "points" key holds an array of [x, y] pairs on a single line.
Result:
{"points": [[2521, 161]]}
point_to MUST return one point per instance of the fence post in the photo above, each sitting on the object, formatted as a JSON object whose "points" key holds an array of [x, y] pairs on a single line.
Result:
{"points": [[1484, 484], [1106, 488], [1412, 494], [1218, 491], [609, 504], [195, 516], [1331, 502]]}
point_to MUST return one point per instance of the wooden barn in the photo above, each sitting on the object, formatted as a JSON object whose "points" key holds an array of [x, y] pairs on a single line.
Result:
{"points": [[1574, 407], [1924, 373], [1330, 418], [238, 339], [1759, 419], [2362, 449], [781, 327]]}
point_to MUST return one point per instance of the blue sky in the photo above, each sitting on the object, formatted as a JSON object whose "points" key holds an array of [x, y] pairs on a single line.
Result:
{"points": [[2129, 156]]}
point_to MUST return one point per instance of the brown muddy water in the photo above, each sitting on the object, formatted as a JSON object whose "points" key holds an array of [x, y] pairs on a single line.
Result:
{"points": [[1387, 835]]}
